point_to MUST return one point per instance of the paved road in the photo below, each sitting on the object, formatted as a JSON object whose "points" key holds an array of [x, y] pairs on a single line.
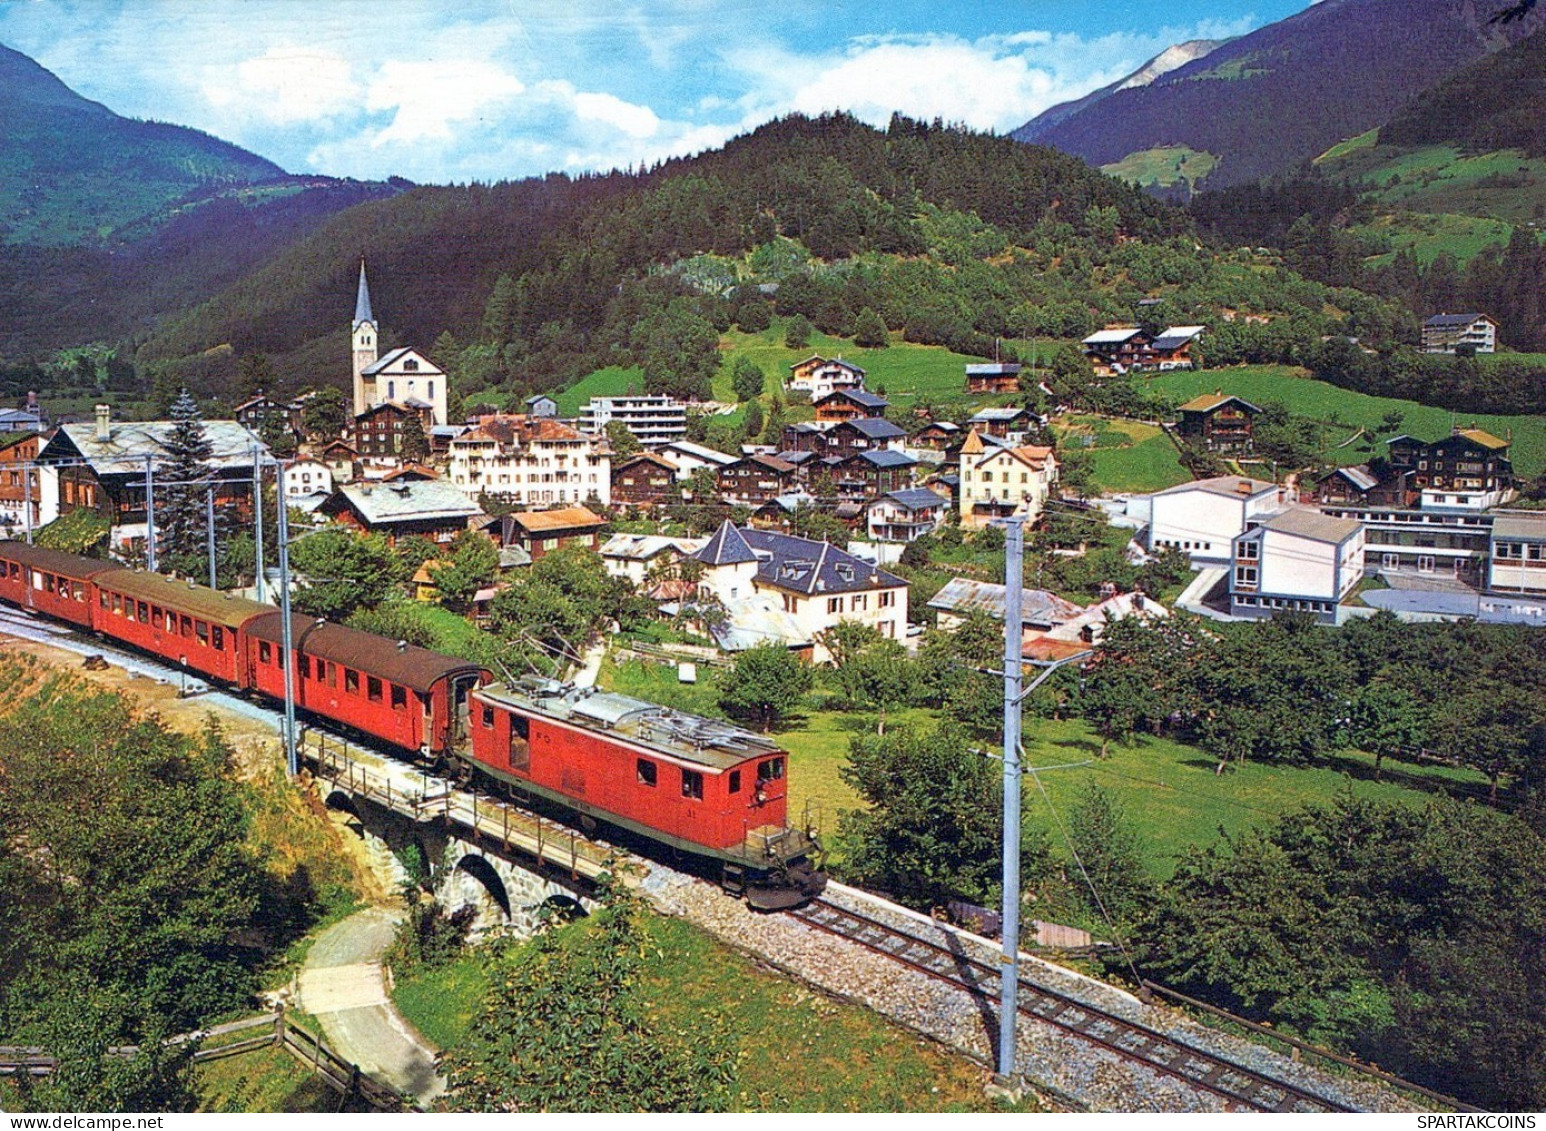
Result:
{"points": [[343, 985]]}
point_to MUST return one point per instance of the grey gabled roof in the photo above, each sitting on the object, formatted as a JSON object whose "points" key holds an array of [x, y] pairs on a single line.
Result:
{"points": [[1005, 413], [916, 498], [726, 547], [129, 442], [405, 501], [1447, 321], [887, 458], [858, 396], [803, 566], [874, 428], [962, 595]]}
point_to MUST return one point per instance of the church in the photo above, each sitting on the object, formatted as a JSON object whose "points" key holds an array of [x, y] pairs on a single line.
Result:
{"points": [[404, 377]]}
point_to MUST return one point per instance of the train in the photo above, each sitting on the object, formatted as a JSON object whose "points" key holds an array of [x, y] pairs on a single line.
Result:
{"points": [[700, 787]]}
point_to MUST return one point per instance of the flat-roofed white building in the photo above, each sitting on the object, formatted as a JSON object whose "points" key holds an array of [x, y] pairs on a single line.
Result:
{"points": [[1204, 517], [1299, 560], [1518, 557], [653, 420]]}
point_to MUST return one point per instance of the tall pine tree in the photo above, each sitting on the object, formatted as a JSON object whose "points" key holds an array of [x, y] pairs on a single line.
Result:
{"points": [[182, 482]]}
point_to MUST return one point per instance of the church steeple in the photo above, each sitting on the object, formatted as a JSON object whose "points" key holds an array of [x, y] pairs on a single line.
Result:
{"points": [[365, 345], [362, 299]]}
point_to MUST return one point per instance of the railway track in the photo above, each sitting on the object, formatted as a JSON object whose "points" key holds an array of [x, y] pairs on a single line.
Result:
{"points": [[1241, 1086]]}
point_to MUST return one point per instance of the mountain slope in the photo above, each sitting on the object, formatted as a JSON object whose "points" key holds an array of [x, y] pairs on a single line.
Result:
{"points": [[1174, 57], [72, 171], [1271, 100]]}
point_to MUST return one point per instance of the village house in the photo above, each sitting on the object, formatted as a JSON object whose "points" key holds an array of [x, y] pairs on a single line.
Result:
{"points": [[756, 479], [1460, 333], [815, 584], [850, 404], [1218, 423], [539, 405], [377, 433], [432, 509], [304, 478], [643, 480], [1469, 469], [100, 466], [1172, 349], [906, 515], [1116, 350], [1040, 610], [868, 475], [1204, 517], [1298, 560], [819, 377], [1006, 422], [1088, 628], [999, 482], [993, 377], [1360, 486], [527, 462], [21, 488], [690, 457], [937, 435], [540, 533], [633, 556], [262, 411]]}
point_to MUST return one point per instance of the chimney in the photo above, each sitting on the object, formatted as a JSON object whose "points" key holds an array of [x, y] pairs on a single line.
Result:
{"points": [[104, 422]]}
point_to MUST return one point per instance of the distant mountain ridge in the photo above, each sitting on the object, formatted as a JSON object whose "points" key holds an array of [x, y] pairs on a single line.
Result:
{"points": [[1175, 56], [1269, 101]]}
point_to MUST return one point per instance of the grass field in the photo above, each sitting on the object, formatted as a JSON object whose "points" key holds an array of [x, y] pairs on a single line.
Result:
{"points": [[1128, 455], [613, 381], [1429, 235], [269, 1080], [1321, 401], [799, 1050], [1163, 165]]}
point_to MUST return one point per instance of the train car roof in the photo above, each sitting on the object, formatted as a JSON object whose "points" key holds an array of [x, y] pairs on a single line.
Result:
{"points": [[185, 597], [690, 738], [406, 665], [54, 561]]}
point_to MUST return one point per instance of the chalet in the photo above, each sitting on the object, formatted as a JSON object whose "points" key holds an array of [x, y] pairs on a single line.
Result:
{"points": [[21, 488], [814, 583], [850, 404], [1006, 423], [1204, 517], [342, 459], [999, 482], [1469, 469], [643, 480], [378, 431], [540, 405], [1172, 349], [539, 533], [1363, 486], [1297, 560], [101, 467], [864, 476], [820, 376], [433, 509], [1088, 628], [633, 556], [306, 477], [805, 436], [865, 434], [993, 377], [1460, 333], [1116, 350], [906, 515], [263, 412], [1218, 422], [937, 435], [754, 480], [690, 457], [1518, 553]]}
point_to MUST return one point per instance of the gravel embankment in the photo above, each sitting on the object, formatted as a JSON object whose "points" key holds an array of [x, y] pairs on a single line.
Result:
{"points": [[1051, 1059]]}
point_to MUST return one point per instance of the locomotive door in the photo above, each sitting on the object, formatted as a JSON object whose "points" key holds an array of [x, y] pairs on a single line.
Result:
{"points": [[461, 710]]}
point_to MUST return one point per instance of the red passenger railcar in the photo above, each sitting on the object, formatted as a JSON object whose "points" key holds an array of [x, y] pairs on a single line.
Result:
{"points": [[50, 582], [699, 785], [193, 627], [400, 693]]}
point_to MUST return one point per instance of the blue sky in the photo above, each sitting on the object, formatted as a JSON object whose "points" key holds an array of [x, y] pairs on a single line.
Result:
{"points": [[494, 89]]}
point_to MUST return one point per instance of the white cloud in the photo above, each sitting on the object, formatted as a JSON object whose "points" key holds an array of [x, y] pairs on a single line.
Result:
{"points": [[284, 85], [631, 119], [429, 97]]}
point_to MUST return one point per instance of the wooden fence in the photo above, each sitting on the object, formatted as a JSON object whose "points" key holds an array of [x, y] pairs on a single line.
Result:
{"points": [[277, 1030]]}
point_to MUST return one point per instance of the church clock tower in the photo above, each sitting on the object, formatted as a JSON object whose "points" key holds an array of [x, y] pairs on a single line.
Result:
{"points": [[365, 347]]}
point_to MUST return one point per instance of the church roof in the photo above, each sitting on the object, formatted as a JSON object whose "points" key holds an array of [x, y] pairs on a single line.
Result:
{"points": [[387, 361], [362, 300]]}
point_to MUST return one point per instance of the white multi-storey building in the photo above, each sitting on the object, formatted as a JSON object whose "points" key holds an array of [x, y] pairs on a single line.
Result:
{"points": [[532, 462], [1204, 517], [1299, 560], [653, 420]]}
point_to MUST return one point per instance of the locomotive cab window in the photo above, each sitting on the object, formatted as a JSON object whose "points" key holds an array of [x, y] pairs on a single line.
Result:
{"points": [[692, 785], [771, 770], [735, 782], [520, 743], [647, 772], [488, 716]]}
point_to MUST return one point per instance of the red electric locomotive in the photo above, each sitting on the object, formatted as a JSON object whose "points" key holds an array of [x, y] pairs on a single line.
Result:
{"points": [[699, 785]]}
